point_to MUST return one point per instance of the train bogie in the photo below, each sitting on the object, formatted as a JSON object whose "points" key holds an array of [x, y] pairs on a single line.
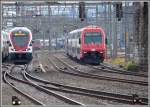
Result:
{"points": [[20, 56]]}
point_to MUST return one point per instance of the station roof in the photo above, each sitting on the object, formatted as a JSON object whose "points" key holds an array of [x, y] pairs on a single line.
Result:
{"points": [[53, 2]]}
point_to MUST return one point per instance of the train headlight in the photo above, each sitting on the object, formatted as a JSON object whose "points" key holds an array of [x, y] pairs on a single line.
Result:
{"points": [[93, 49]]}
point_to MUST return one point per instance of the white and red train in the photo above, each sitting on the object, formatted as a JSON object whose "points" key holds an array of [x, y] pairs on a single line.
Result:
{"points": [[87, 44], [4, 45], [20, 44]]}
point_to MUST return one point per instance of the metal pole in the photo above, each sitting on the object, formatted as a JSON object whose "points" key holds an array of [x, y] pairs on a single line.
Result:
{"points": [[125, 35], [110, 22], [114, 37], [49, 18]]}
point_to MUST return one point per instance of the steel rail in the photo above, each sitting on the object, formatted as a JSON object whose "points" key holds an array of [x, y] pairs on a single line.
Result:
{"points": [[114, 70], [67, 100], [94, 76], [21, 92], [93, 93], [59, 96], [119, 71]]}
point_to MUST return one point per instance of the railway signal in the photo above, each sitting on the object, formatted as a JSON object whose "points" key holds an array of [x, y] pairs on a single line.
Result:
{"points": [[15, 100], [119, 11], [82, 14]]}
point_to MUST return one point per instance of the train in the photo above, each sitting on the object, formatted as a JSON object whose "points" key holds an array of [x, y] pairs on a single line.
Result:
{"points": [[20, 44], [54, 43], [4, 45], [37, 44], [87, 44]]}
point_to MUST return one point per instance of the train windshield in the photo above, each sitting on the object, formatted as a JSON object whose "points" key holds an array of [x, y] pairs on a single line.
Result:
{"points": [[21, 40], [92, 37]]}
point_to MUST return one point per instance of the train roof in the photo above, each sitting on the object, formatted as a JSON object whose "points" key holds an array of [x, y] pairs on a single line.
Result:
{"points": [[18, 28], [87, 27]]}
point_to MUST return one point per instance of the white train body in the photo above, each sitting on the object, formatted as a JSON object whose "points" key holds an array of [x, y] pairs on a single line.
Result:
{"points": [[4, 44]]}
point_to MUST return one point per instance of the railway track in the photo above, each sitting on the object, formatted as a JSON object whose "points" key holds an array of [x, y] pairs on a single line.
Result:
{"points": [[88, 92], [29, 82], [109, 69], [73, 71], [106, 68], [34, 100], [43, 85]]}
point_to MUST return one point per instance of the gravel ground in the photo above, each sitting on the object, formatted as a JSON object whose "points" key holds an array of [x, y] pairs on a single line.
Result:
{"points": [[53, 76], [102, 85], [41, 96], [87, 69], [8, 92]]}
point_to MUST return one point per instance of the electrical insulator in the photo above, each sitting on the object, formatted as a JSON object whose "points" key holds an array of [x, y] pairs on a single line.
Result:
{"points": [[82, 11]]}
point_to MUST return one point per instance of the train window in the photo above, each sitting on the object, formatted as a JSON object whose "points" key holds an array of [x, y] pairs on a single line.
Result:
{"points": [[20, 40], [92, 37]]}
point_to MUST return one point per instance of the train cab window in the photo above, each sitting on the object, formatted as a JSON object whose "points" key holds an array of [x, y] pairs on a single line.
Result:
{"points": [[92, 37], [20, 39]]}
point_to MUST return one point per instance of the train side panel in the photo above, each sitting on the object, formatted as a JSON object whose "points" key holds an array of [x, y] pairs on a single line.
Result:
{"points": [[87, 44], [4, 44]]}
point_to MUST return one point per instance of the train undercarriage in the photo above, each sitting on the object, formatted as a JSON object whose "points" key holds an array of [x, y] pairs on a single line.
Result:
{"points": [[20, 57], [93, 57]]}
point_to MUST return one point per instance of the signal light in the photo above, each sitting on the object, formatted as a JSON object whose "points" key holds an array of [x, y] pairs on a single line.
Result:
{"points": [[82, 11], [136, 99], [15, 100], [119, 11]]}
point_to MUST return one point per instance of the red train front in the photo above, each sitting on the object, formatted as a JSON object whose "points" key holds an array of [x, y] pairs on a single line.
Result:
{"points": [[87, 44], [93, 47]]}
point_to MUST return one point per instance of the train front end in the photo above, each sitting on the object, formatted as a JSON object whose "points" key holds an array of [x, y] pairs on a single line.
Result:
{"points": [[20, 48], [93, 47]]}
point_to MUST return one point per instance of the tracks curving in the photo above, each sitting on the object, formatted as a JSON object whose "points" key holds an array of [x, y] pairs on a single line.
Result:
{"points": [[110, 69], [51, 88], [43, 89], [77, 72], [34, 100], [87, 92], [117, 70]]}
